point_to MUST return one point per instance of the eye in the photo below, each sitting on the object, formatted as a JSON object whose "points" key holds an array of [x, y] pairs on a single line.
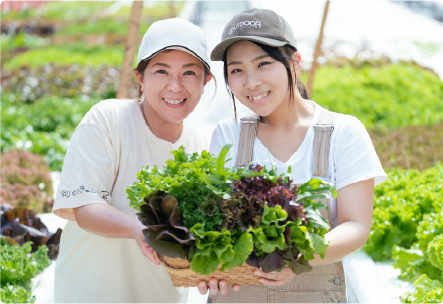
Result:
{"points": [[264, 63], [161, 72], [235, 71], [189, 73]]}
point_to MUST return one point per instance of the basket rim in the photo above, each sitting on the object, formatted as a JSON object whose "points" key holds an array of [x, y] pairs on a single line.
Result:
{"points": [[182, 272]]}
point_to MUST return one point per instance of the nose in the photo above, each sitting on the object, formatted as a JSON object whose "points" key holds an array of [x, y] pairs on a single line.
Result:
{"points": [[252, 81], [175, 84]]}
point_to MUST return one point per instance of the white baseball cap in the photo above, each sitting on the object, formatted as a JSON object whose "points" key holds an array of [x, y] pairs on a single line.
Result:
{"points": [[175, 34]]}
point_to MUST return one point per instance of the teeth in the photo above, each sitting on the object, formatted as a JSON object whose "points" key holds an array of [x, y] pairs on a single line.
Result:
{"points": [[170, 101], [259, 96]]}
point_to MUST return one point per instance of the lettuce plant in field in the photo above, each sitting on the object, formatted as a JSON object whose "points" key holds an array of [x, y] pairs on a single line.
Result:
{"points": [[435, 251], [428, 291], [401, 203], [16, 294], [17, 268]]}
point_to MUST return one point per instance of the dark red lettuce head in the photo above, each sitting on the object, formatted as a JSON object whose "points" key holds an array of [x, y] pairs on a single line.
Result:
{"points": [[165, 232]]}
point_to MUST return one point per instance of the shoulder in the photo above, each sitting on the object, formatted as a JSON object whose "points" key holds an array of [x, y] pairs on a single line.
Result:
{"points": [[108, 113], [227, 131], [229, 123], [347, 125], [111, 107]]}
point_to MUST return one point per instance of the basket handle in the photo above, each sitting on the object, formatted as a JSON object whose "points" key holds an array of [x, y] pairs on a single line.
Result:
{"points": [[183, 272]]}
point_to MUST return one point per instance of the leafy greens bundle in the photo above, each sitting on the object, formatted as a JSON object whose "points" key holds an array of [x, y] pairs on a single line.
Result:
{"points": [[195, 208]]}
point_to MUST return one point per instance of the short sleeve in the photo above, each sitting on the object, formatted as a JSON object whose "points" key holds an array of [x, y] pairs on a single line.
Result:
{"points": [[88, 171], [354, 155]]}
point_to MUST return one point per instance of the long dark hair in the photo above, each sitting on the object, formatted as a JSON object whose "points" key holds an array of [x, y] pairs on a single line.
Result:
{"points": [[282, 54]]}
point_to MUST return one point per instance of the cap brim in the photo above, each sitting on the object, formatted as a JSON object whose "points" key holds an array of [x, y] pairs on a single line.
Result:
{"points": [[174, 47], [219, 51]]}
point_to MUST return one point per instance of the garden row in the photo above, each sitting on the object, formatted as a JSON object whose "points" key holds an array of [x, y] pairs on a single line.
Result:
{"points": [[407, 227], [26, 244]]}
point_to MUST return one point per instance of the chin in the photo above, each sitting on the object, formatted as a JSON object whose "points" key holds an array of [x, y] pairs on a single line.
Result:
{"points": [[261, 111]]}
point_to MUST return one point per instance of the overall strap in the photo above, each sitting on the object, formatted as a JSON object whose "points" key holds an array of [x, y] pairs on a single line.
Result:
{"points": [[248, 130], [323, 131]]}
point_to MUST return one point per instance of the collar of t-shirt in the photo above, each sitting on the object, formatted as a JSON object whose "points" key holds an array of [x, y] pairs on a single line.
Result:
{"points": [[163, 144]]}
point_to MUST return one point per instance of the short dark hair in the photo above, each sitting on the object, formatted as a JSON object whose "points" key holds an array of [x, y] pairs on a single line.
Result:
{"points": [[282, 54], [141, 67]]}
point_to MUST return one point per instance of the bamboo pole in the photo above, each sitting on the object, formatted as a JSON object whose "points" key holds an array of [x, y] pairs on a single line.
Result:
{"points": [[317, 50], [131, 45]]}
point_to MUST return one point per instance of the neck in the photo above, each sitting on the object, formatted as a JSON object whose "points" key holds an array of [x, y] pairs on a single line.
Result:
{"points": [[288, 115], [159, 127]]}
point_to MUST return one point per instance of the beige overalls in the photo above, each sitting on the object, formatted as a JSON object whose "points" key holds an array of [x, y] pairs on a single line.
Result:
{"points": [[324, 284]]}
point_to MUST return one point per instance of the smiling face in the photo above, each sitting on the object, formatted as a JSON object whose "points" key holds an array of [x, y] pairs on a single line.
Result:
{"points": [[172, 83], [256, 79]]}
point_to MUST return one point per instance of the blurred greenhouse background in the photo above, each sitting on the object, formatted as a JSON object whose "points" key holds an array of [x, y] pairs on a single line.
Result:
{"points": [[380, 61]]}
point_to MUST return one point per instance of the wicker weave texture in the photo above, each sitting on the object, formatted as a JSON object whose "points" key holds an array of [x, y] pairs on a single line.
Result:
{"points": [[242, 275], [176, 263]]}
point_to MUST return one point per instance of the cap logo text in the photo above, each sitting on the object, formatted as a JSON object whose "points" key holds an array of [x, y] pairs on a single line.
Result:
{"points": [[253, 24]]}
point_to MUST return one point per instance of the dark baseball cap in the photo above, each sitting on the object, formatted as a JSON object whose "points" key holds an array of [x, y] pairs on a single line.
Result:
{"points": [[260, 25]]}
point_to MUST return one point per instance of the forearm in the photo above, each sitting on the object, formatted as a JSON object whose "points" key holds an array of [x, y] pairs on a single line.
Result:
{"points": [[106, 221], [344, 240]]}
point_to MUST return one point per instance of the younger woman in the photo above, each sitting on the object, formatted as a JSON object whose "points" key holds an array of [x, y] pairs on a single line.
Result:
{"points": [[103, 255], [262, 65]]}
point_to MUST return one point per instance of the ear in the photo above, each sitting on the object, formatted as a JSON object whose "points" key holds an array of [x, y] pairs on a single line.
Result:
{"points": [[296, 61], [207, 79], [140, 79]]}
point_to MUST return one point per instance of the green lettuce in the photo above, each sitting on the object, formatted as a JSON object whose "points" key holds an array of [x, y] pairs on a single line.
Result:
{"points": [[16, 294], [213, 248], [428, 291], [400, 205], [435, 251], [18, 266], [183, 178]]}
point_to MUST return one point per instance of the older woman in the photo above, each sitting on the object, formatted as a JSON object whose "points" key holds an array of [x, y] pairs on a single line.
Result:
{"points": [[103, 252]]}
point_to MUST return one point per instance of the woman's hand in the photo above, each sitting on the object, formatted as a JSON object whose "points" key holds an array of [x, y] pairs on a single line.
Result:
{"points": [[214, 288], [144, 247], [275, 278]]}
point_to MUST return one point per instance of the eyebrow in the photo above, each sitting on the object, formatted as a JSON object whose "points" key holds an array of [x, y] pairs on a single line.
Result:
{"points": [[255, 59], [168, 66]]}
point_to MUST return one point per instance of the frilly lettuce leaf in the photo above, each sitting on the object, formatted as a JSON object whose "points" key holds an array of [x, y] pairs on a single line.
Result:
{"points": [[435, 251], [428, 291], [213, 248]]}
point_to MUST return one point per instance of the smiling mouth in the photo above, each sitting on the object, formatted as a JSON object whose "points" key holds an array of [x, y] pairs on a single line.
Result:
{"points": [[174, 101], [259, 96]]}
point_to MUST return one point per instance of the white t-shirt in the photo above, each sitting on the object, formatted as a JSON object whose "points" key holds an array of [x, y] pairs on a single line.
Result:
{"points": [[107, 150], [352, 156]]}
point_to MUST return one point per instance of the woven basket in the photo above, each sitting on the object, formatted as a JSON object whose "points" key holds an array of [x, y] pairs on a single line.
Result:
{"points": [[182, 276]]}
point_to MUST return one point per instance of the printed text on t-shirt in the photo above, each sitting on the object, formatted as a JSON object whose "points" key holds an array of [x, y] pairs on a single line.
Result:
{"points": [[82, 189]]}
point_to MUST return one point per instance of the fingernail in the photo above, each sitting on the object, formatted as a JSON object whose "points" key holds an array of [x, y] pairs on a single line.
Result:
{"points": [[213, 283], [202, 285], [223, 284]]}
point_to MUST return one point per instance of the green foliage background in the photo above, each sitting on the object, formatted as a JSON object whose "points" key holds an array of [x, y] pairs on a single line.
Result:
{"points": [[393, 95]]}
